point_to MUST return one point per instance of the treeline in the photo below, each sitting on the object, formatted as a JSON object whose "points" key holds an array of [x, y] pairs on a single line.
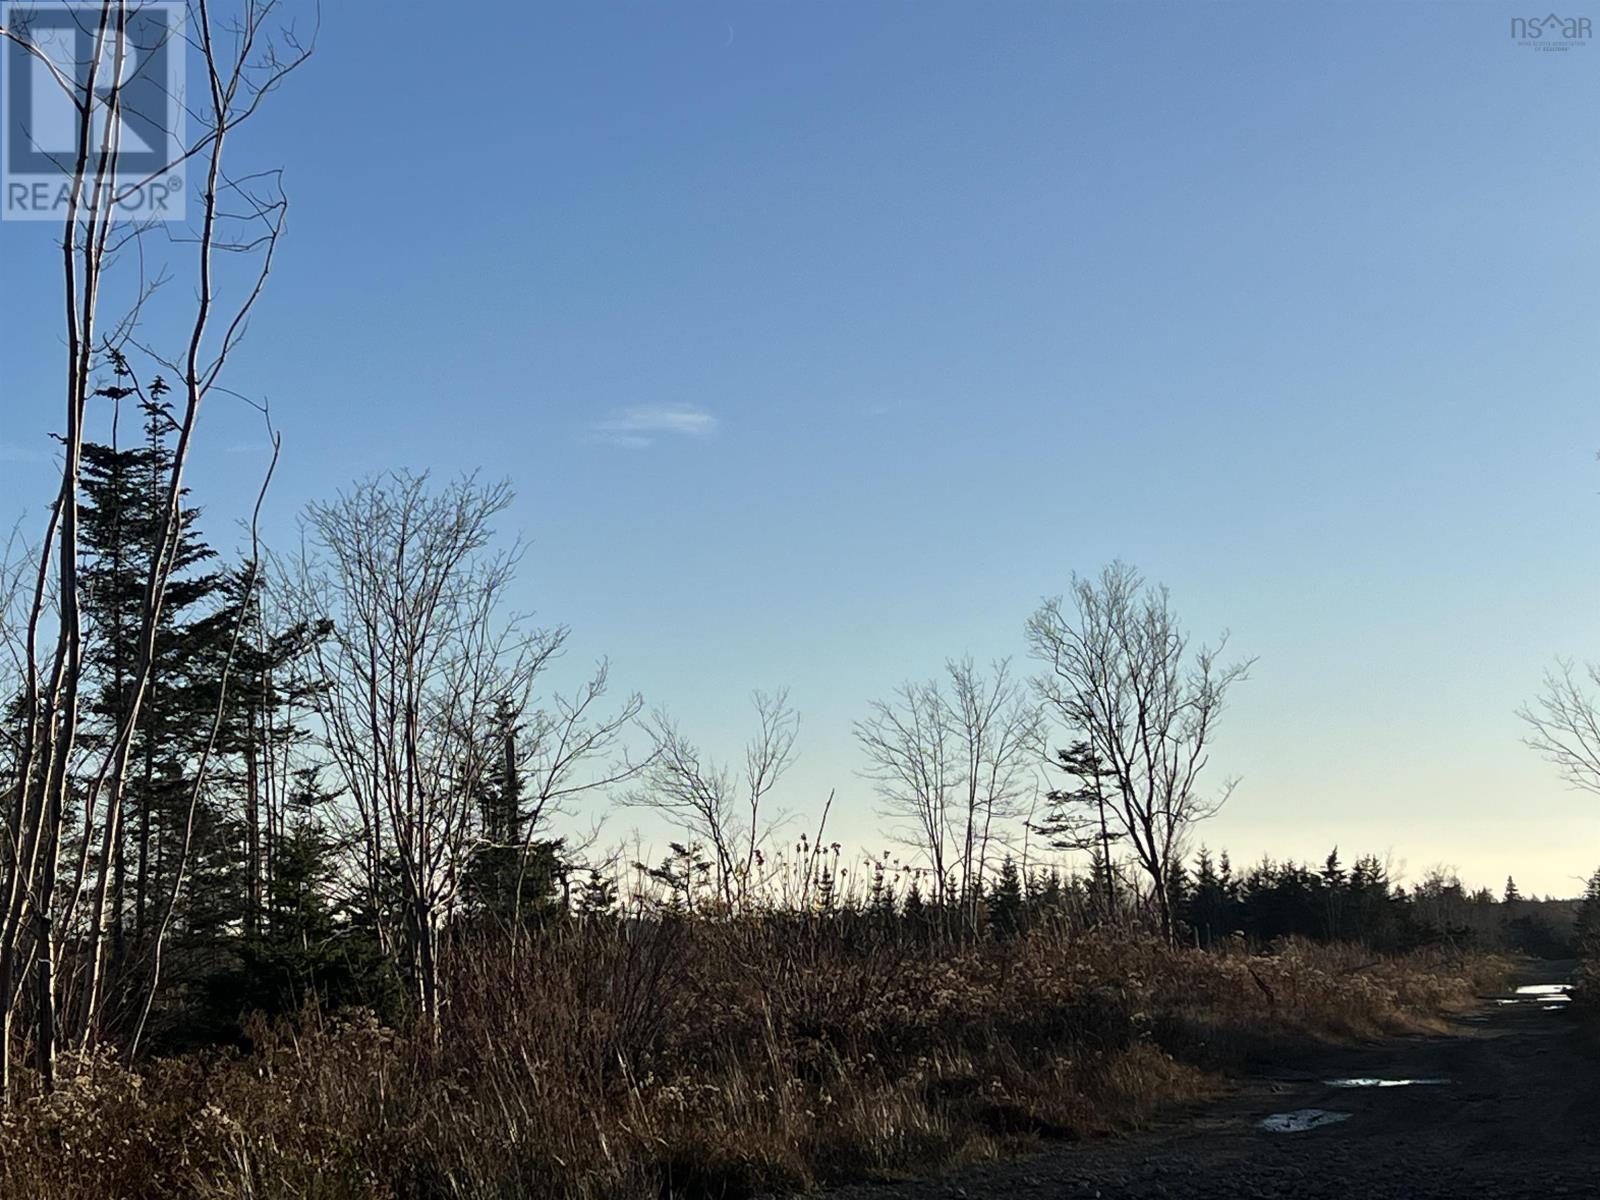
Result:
{"points": [[1216, 906], [318, 776], [1361, 903]]}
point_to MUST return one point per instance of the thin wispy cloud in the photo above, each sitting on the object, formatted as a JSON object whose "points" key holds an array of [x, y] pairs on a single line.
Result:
{"points": [[644, 425], [884, 408]]}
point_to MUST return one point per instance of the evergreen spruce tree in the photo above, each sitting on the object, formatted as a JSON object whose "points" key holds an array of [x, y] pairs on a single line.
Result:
{"points": [[597, 898], [1333, 896], [1177, 888], [509, 877], [1046, 896], [121, 528], [1586, 927], [1206, 911], [1102, 887], [880, 896], [914, 912], [1007, 914], [307, 951], [270, 681], [209, 632], [1053, 896], [1390, 919], [492, 877], [683, 869]]}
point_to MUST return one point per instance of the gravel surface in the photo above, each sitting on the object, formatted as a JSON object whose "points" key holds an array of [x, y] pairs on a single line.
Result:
{"points": [[1518, 1116]]}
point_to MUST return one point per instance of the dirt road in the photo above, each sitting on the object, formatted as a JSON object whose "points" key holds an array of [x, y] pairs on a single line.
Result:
{"points": [[1509, 1107]]}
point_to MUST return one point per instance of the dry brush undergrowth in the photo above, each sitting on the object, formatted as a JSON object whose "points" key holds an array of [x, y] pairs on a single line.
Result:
{"points": [[704, 1059]]}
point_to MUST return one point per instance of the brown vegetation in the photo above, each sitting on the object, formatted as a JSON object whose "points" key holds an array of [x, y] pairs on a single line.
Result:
{"points": [[695, 1058]]}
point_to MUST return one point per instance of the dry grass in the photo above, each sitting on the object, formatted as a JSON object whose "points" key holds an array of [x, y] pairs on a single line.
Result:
{"points": [[699, 1059]]}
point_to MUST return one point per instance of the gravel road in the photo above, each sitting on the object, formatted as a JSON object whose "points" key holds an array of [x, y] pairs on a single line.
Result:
{"points": [[1510, 1108]]}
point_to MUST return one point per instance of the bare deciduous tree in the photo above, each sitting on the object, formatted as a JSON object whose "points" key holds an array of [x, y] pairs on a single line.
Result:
{"points": [[422, 665], [575, 751], [1139, 706], [14, 558], [13, 568], [572, 751], [714, 805], [952, 760], [239, 216], [1564, 723]]}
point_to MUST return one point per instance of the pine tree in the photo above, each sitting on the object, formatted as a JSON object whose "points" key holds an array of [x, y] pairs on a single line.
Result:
{"points": [[300, 902], [305, 951], [123, 504], [1046, 895], [1586, 927], [597, 898], [1367, 892], [880, 896], [270, 681], [1102, 887], [1512, 896], [1333, 895], [1078, 814], [1177, 888], [1007, 915], [914, 911], [681, 872], [497, 866], [1206, 912]]}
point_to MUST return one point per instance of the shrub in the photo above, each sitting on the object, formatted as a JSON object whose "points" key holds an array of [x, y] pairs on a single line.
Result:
{"points": [[698, 1058]]}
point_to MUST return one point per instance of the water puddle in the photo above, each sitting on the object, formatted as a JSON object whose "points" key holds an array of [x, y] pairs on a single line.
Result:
{"points": [[1546, 991], [1549, 996], [1302, 1119], [1383, 1083]]}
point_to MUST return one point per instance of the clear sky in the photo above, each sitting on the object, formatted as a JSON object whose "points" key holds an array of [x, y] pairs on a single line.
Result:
{"points": [[822, 339]]}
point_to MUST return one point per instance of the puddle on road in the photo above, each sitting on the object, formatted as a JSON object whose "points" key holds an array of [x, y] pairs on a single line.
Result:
{"points": [[1549, 996], [1302, 1119]]}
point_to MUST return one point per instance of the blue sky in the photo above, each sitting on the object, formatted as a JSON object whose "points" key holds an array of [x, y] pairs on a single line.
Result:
{"points": [[821, 340]]}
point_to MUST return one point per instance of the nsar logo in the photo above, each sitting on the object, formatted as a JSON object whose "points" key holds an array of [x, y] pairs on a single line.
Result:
{"points": [[1550, 32]]}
